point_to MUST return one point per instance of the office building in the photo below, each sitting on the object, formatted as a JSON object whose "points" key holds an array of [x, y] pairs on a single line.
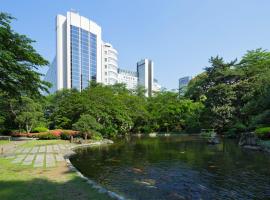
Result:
{"points": [[129, 78], [145, 69], [109, 64], [78, 53], [183, 83], [82, 56]]}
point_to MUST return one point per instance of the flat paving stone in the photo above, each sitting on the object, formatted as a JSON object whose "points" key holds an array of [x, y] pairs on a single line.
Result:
{"points": [[62, 147], [59, 157], [50, 160], [56, 148], [42, 149], [29, 159], [49, 149], [35, 150], [26, 150], [19, 150], [19, 158], [39, 161]]}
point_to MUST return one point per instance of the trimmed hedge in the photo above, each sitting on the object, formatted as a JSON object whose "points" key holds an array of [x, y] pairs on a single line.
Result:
{"points": [[39, 130], [47, 136]]}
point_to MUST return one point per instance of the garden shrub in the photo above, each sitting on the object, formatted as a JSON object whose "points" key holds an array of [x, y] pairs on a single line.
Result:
{"points": [[109, 132], [39, 129], [263, 132], [96, 135], [236, 130], [56, 132], [66, 134], [47, 136]]}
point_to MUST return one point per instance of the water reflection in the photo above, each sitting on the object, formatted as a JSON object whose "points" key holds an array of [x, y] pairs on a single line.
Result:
{"points": [[184, 167]]}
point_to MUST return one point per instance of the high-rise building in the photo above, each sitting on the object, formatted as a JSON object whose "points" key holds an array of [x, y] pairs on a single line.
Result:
{"points": [[82, 56], [109, 64], [129, 78], [78, 52], [145, 69], [183, 83]]}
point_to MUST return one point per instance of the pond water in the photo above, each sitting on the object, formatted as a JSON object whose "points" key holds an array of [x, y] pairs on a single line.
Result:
{"points": [[181, 167]]}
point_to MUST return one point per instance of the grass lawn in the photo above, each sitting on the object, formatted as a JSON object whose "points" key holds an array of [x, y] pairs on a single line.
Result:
{"points": [[32, 143], [28, 183], [4, 142]]}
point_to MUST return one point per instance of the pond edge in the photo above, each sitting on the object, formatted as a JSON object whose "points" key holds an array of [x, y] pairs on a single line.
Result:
{"points": [[92, 183]]}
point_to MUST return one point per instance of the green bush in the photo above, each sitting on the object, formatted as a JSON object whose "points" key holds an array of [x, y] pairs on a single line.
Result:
{"points": [[39, 129], [109, 132], [263, 132], [236, 130], [65, 136], [96, 135], [47, 136]]}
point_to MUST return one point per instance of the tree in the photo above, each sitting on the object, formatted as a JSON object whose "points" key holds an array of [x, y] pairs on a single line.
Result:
{"points": [[29, 115], [87, 125], [236, 93], [19, 62]]}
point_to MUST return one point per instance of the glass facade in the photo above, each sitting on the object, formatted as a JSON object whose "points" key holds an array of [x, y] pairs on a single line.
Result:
{"points": [[93, 56], [83, 57], [75, 58]]}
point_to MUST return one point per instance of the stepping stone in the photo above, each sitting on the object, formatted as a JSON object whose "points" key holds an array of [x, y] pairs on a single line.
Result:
{"points": [[19, 158], [28, 160], [50, 160], [39, 160], [62, 147], [59, 157], [26, 150], [19, 150], [34, 150], [49, 149], [42, 149], [56, 148]]}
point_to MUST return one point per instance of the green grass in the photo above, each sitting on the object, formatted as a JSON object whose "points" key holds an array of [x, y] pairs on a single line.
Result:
{"points": [[33, 143], [24, 183], [4, 142]]}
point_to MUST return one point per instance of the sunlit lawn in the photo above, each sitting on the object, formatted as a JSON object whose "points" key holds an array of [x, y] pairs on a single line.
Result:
{"points": [[28, 183], [4, 142], [33, 143]]}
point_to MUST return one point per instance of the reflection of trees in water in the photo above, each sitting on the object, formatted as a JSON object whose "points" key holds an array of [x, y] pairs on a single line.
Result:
{"points": [[211, 168]]}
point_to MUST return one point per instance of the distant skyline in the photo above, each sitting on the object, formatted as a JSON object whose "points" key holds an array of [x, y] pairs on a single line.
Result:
{"points": [[179, 36]]}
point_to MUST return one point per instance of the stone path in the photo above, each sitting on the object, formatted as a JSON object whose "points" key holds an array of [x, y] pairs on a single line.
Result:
{"points": [[39, 156]]}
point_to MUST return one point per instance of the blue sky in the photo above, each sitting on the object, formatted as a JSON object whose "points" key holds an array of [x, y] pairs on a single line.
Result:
{"points": [[178, 35]]}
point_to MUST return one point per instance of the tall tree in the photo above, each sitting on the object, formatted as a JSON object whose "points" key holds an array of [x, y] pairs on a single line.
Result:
{"points": [[19, 62]]}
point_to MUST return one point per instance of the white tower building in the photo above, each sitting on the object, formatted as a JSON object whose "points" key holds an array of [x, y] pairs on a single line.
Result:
{"points": [[78, 53], [109, 64], [145, 69], [82, 56]]}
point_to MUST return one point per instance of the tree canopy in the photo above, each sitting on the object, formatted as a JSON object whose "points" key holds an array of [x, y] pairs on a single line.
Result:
{"points": [[19, 62]]}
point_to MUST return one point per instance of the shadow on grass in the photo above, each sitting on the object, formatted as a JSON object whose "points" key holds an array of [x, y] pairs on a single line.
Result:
{"points": [[39, 189]]}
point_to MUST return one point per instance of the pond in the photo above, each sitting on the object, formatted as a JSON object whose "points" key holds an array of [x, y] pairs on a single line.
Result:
{"points": [[177, 167]]}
